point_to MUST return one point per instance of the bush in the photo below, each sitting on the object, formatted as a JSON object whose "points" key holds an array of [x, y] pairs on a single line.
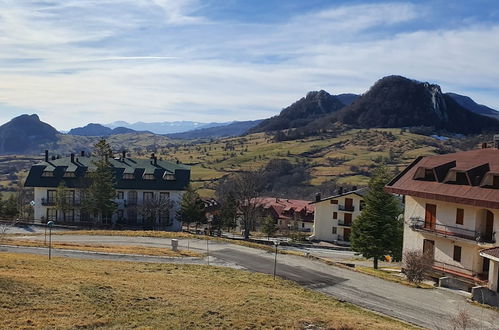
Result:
{"points": [[416, 265]]}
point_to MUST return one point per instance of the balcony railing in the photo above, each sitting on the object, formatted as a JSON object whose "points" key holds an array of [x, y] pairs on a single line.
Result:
{"points": [[346, 208], [460, 271], [344, 224], [48, 201], [53, 202], [417, 223]]}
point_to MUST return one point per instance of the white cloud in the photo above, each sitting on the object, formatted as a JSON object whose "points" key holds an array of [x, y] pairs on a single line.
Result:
{"points": [[144, 60]]}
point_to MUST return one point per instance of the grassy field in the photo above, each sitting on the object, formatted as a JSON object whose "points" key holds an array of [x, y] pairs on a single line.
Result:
{"points": [[346, 158], [68, 293]]}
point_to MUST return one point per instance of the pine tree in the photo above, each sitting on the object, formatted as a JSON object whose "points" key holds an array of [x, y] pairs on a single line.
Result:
{"points": [[268, 226], [101, 193], [228, 212], [191, 208], [377, 231], [10, 208]]}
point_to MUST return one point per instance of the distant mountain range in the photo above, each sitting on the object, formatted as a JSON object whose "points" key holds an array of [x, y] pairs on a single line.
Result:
{"points": [[167, 127], [393, 101], [233, 129], [100, 130]]}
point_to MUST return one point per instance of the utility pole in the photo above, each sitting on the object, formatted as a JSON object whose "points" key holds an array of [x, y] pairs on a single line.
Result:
{"points": [[276, 243]]}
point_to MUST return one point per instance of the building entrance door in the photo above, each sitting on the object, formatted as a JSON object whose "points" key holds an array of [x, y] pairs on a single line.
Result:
{"points": [[430, 219], [489, 226], [429, 248]]}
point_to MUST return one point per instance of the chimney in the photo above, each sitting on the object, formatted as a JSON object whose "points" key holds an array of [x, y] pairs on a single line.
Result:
{"points": [[484, 145], [82, 153], [496, 141], [155, 161], [53, 157], [46, 155], [123, 155], [318, 197], [72, 158], [354, 188]]}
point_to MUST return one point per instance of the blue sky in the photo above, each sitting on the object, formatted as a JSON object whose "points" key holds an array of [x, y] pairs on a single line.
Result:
{"points": [[80, 61]]}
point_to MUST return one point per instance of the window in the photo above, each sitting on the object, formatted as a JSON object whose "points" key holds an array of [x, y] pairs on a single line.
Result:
{"points": [[495, 181], [334, 201], [51, 214], [461, 178], [70, 215], [335, 215], [148, 196], [163, 196], [457, 253], [459, 216], [128, 176], [335, 230], [168, 176], [429, 175], [303, 224], [51, 197], [70, 175], [120, 195], [70, 197], [47, 174], [362, 205], [132, 198], [148, 177]]}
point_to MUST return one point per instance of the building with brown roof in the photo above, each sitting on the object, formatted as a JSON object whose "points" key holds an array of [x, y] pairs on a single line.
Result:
{"points": [[452, 213], [288, 214]]}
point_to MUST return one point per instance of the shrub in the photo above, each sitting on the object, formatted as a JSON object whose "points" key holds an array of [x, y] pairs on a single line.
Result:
{"points": [[416, 265]]}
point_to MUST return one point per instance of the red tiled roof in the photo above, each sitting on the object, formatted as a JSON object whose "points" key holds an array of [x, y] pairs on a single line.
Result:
{"points": [[476, 195], [281, 206], [493, 252]]}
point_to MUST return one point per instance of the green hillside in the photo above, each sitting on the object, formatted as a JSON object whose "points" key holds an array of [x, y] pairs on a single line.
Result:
{"points": [[346, 159]]}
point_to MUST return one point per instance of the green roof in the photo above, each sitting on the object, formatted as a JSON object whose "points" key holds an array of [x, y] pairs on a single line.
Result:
{"points": [[136, 166]]}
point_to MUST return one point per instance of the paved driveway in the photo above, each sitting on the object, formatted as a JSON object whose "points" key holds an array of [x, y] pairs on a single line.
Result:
{"points": [[430, 308]]}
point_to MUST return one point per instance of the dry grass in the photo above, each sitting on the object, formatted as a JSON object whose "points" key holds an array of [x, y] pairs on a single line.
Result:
{"points": [[68, 293], [123, 249], [390, 276]]}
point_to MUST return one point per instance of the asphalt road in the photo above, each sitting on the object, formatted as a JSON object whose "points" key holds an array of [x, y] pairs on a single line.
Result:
{"points": [[430, 308]]}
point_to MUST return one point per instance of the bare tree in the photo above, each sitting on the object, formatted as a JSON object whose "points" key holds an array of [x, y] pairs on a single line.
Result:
{"points": [[462, 320], [157, 207], [416, 265], [246, 190]]}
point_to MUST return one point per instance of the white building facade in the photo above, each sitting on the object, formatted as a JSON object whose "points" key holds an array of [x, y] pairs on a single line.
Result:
{"points": [[452, 214], [334, 216], [148, 192]]}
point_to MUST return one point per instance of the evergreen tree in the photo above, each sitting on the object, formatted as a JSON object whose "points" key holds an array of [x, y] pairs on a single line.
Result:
{"points": [[228, 212], [377, 231], [101, 193], [191, 208], [268, 226], [10, 208]]}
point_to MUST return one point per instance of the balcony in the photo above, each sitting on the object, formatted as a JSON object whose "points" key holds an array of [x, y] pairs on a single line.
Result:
{"points": [[346, 208], [48, 201], [478, 277], [53, 202], [344, 224], [417, 223]]}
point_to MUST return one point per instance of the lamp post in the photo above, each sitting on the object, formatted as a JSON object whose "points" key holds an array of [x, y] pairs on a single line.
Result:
{"points": [[276, 243], [50, 224]]}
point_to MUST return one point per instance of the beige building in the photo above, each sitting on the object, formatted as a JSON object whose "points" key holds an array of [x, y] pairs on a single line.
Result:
{"points": [[334, 216], [452, 213]]}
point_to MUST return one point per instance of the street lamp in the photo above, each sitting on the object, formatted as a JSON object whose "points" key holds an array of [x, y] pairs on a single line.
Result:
{"points": [[276, 243], [50, 224]]}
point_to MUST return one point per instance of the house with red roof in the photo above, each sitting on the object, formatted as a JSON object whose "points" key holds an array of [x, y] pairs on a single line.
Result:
{"points": [[288, 213], [452, 214]]}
